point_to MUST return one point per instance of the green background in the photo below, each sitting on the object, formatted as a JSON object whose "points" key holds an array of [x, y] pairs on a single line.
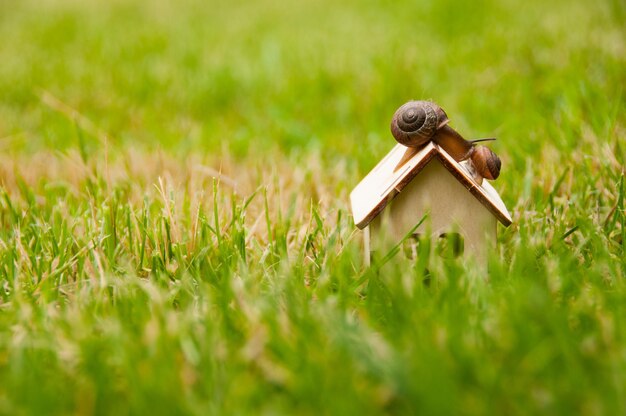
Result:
{"points": [[132, 281]]}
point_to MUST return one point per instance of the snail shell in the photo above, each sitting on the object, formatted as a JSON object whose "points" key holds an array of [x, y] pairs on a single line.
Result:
{"points": [[486, 162], [416, 122]]}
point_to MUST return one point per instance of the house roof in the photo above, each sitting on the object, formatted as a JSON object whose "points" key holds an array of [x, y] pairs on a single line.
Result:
{"points": [[399, 167]]}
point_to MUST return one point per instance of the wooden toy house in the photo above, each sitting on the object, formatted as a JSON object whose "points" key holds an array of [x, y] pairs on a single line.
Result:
{"points": [[410, 184]]}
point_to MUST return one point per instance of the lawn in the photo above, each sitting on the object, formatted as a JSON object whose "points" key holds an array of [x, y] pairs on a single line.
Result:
{"points": [[175, 231]]}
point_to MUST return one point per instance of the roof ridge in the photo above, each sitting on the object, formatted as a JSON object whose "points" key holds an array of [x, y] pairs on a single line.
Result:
{"points": [[389, 177]]}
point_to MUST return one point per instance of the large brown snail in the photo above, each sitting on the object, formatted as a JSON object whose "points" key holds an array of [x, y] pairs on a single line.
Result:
{"points": [[418, 122]]}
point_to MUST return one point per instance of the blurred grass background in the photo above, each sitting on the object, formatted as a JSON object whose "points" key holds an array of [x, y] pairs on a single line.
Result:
{"points": [[191, 76], [132, 282]]}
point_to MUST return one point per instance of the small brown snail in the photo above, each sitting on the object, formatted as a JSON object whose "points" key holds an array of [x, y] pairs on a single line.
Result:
{"points": [[418, 122]]}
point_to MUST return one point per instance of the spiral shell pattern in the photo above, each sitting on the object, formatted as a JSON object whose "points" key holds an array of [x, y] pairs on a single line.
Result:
{"points": [[416, 122]]}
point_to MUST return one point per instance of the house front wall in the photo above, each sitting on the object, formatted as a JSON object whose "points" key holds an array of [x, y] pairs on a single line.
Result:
{"points": [[448, 207]]}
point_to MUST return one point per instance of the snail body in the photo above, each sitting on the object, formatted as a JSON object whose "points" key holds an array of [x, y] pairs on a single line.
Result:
{"points": [[416, 123]]}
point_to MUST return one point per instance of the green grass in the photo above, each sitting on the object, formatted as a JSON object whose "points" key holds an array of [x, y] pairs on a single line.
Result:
{"points": [[175, 233]]}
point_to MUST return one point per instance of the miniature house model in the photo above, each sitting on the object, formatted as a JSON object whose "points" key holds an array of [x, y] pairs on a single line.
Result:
{"points": [[410, 185]]}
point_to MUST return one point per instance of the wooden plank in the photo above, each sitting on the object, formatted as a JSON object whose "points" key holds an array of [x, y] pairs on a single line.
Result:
{"points": [[384, 182]]}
